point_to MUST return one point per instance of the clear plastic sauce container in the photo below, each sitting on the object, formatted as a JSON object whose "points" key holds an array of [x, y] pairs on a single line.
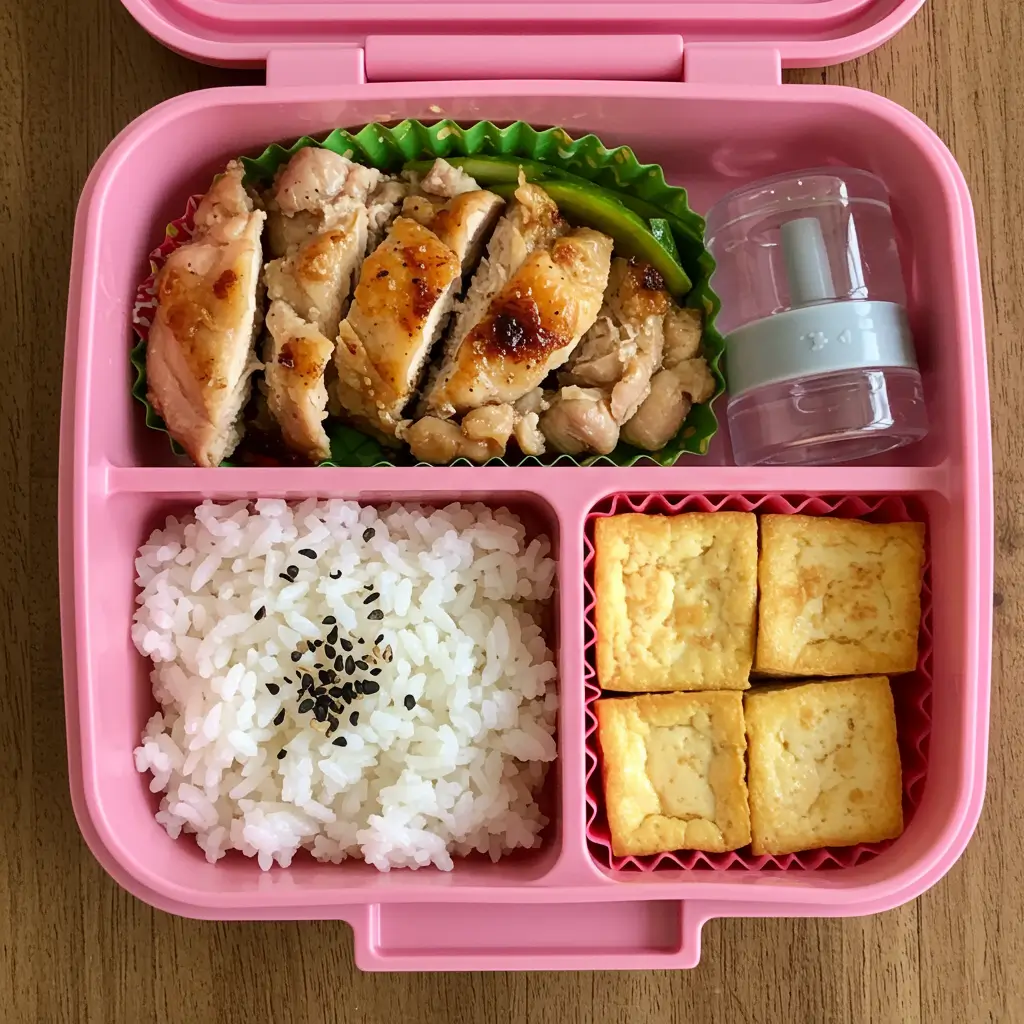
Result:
{"points": [[820, 359]]}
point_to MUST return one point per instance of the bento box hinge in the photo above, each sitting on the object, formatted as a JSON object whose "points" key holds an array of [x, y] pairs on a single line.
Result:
{"points": [[487, 57], [731, 64], [316, 65]]}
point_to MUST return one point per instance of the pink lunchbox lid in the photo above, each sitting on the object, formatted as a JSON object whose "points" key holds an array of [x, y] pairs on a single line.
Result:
{"points": [[394, 35]]}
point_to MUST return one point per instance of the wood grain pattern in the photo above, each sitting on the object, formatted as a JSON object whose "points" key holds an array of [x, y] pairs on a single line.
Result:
{"points": [[74, 949]]}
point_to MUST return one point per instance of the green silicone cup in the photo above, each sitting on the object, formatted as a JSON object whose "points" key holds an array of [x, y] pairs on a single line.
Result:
{"points": [[615, 169]]}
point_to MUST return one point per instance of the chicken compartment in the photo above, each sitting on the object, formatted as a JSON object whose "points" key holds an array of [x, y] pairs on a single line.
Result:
{"points": [[727, 142]]}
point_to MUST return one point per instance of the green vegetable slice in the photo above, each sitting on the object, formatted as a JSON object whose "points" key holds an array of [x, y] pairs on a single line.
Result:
{"points": [[663, 233], [598, 208]]}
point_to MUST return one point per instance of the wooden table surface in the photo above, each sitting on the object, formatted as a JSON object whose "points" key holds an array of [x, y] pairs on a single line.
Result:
{"points": [[75, 948]]}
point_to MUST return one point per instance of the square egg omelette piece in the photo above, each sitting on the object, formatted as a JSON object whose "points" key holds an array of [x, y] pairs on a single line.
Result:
{"points": [[839, 597], [676, 601], [824, 765], [673, 768]]}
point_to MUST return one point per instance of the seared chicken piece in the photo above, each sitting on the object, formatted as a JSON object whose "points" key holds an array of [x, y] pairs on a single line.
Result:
{"points": [[684, 379], [405, 292], [315, 191], [316, 276], [530, 327], [531, 222], [383, 206], [483, 435], [462, 223], [296, 356], [622, 351], [683, 332], [447, 181], [527, 430], [579, 420], [200, 355]]}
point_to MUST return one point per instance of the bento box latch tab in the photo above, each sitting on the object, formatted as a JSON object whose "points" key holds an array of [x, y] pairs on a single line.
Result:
{"points": [[731, 64], [620, 58], [316, 65]]}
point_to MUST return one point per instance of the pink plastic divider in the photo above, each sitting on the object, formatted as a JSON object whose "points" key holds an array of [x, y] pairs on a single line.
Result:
{"points": [[911, 693]]}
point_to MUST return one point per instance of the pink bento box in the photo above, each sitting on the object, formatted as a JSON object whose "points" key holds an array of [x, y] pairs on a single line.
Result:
{"points": [[695, 86]]}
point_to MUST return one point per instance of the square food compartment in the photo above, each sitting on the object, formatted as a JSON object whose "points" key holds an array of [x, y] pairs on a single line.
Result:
{"points": [[912, 693], [114, 714]]}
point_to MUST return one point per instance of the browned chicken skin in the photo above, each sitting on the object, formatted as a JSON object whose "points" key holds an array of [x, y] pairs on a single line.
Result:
{"points": [[530, 326], [404, 294], [316, 276], [200, 355], [296, 356]]}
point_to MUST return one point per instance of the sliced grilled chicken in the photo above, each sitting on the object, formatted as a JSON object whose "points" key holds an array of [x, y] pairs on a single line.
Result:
{"points": [[530, 328], [295, 358], [316, 276], [405, 292], [200, 355], [623, 350], [579, 420], [483, 435], [462, 223], [528, 434], [315, 191], [683, 331], [447, 181], [531, 222]]}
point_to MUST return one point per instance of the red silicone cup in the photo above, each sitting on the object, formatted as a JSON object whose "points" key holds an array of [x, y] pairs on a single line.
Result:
{"points": [[911, 693]]}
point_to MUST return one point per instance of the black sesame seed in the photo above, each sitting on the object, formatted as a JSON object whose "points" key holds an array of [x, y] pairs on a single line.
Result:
{"points": [[332, 637], [335, 691], [361, 640], [388, 654], [310, 646], [347, 691], [361, 665], [354, 718], [370, 686], [374, 671], [279, 717], [318, 643], [332, 722], [379, 638], [373, 597], [285, 577], [322, 698], [306, 705], [273, 688], [376, 614], [296, 655], [320, 713], [330, 652], [292, 571], [307, 680], [335, 575], [329, 620], [307, 552], [410, 702], [260, 612], [340, 741], [358, 686], [281, 754], [368, 534], [346, 645], [339, 663], [369, 586], [350, 664], [326, 677]]}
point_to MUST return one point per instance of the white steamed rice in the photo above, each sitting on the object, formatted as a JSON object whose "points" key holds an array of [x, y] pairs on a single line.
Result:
{"points": [[461, 590]]}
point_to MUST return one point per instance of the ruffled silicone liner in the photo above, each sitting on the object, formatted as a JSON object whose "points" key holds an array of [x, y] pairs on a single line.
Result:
{"points": [[390, 148], [911, 693]]}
